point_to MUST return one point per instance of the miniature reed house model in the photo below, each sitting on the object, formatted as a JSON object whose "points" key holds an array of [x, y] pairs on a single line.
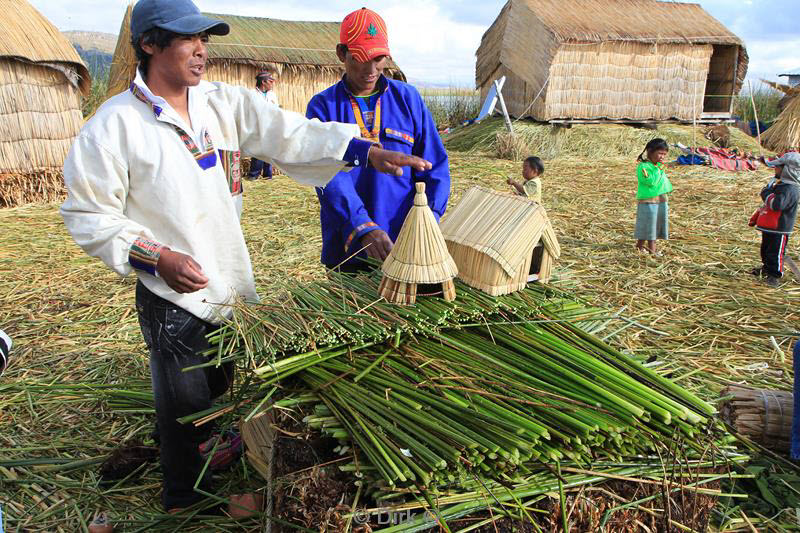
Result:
{"points": [[419, 257], [492, 237]]}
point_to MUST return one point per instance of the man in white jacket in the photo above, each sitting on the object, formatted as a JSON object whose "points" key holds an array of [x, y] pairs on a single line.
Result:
{"points": [[153, 184], [265, 88]]}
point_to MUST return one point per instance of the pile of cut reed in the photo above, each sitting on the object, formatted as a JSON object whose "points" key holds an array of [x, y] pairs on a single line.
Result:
{"points": [[80, 367], [455, 406]]}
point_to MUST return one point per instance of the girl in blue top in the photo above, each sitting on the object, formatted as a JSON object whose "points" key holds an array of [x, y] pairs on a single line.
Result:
{"points": [[652, 211]]}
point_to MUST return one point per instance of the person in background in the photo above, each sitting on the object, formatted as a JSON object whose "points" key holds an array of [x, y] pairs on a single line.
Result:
{"points": [[5, 349], [265, 88], [152, 179], [775, 220], [531, 186], [653, 187], [361, 212]]}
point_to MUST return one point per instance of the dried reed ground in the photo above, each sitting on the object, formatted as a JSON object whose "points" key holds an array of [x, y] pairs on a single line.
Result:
{"points": [[73, 321]]}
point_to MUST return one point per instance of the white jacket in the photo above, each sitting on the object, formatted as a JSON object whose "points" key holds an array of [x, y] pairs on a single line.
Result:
{"points": [[269, 96], [133, 185]]}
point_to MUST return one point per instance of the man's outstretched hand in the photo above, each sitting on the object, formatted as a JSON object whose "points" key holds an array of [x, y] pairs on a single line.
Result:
{"points": [[377, 244], [181, 272], [392, 163]]}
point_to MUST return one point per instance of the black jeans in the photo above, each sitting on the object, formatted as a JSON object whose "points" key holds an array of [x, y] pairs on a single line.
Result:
{"points": [[176, 340], [773, 248], [258, 167]]}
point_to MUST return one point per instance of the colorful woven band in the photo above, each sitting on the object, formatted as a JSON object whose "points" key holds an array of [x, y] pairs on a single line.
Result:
{"points": [[205, 159], [144, 255], [375, 134], [356, 231]]}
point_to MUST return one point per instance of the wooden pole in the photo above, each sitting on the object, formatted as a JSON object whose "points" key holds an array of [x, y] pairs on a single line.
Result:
{"points": [[694, 121], [503, 107], [755, 115]]}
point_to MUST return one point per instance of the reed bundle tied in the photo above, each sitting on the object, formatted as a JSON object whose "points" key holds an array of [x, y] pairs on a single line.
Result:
{"points": [[580, 141], [419, 256], [764, 416]]}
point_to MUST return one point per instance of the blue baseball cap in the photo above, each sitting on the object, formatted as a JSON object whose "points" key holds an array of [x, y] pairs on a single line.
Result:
{"points": [[177, 16]]}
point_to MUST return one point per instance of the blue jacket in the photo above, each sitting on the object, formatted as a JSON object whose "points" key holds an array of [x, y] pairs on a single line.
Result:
{"points": [[362, 200]]}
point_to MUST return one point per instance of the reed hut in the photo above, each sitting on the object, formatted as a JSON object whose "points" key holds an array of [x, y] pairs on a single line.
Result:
{"points": [[42, 79], [617, 60], [302, 53], [491, 237], [784, 134]]}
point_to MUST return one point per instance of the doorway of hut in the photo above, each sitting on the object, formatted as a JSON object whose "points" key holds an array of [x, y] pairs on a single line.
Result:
{"points": [[721, 81]]}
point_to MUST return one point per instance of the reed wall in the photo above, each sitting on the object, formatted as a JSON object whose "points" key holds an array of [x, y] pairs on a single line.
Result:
{"points": [[40, 114], [627, 80], [481, 271]]}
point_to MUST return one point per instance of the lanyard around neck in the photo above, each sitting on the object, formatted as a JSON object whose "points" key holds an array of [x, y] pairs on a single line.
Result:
{"points": [[205, 159], [373, 135]]}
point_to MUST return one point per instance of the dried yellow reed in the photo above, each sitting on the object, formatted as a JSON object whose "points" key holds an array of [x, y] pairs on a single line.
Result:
{"points": [[419, 255], [19, 189], [785, 133], [491, 236], [600, 60], [259, 441], [765, 416], [29, 36]]}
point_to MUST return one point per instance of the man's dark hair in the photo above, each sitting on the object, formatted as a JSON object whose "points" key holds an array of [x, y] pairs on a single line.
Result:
{"points": [[536, 164], [265, 75], [157, 37]]}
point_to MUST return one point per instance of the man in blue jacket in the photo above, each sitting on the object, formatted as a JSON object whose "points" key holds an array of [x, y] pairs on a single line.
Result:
{"points": [[361, 212]]}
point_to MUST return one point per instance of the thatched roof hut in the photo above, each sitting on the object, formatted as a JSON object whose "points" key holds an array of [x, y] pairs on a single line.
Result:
{"points": [[491, 237], [41, 81], [784, 134], [626, 60], [303, 53]]}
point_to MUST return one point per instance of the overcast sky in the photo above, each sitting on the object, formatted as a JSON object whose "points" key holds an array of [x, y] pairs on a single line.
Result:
{"points": [[435, 40]]}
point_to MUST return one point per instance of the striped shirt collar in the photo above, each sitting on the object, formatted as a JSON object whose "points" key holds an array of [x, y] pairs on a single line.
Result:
{"points": [[198, 101]]}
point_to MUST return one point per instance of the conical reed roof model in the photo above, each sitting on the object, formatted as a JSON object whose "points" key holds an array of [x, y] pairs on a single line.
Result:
{"points": [[419, 256]]}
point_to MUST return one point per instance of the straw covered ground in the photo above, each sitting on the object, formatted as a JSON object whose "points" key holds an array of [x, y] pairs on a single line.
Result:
{"points": [[77, 383]]}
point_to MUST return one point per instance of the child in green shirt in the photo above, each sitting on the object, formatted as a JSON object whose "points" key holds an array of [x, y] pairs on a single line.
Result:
{"points": [[532, 169], [654, 186]]}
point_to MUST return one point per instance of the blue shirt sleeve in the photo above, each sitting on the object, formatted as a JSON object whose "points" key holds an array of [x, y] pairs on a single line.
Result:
{"points": [[428, 145], [357, 153], [339, 195]]}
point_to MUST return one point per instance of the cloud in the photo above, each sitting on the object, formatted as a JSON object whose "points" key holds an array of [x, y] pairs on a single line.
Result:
{"points": [[770, 58], [430, 46], [435, 40], [86, 15]]}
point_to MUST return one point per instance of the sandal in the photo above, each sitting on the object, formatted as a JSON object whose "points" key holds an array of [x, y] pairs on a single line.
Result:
{"points": [[227, 451]]}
